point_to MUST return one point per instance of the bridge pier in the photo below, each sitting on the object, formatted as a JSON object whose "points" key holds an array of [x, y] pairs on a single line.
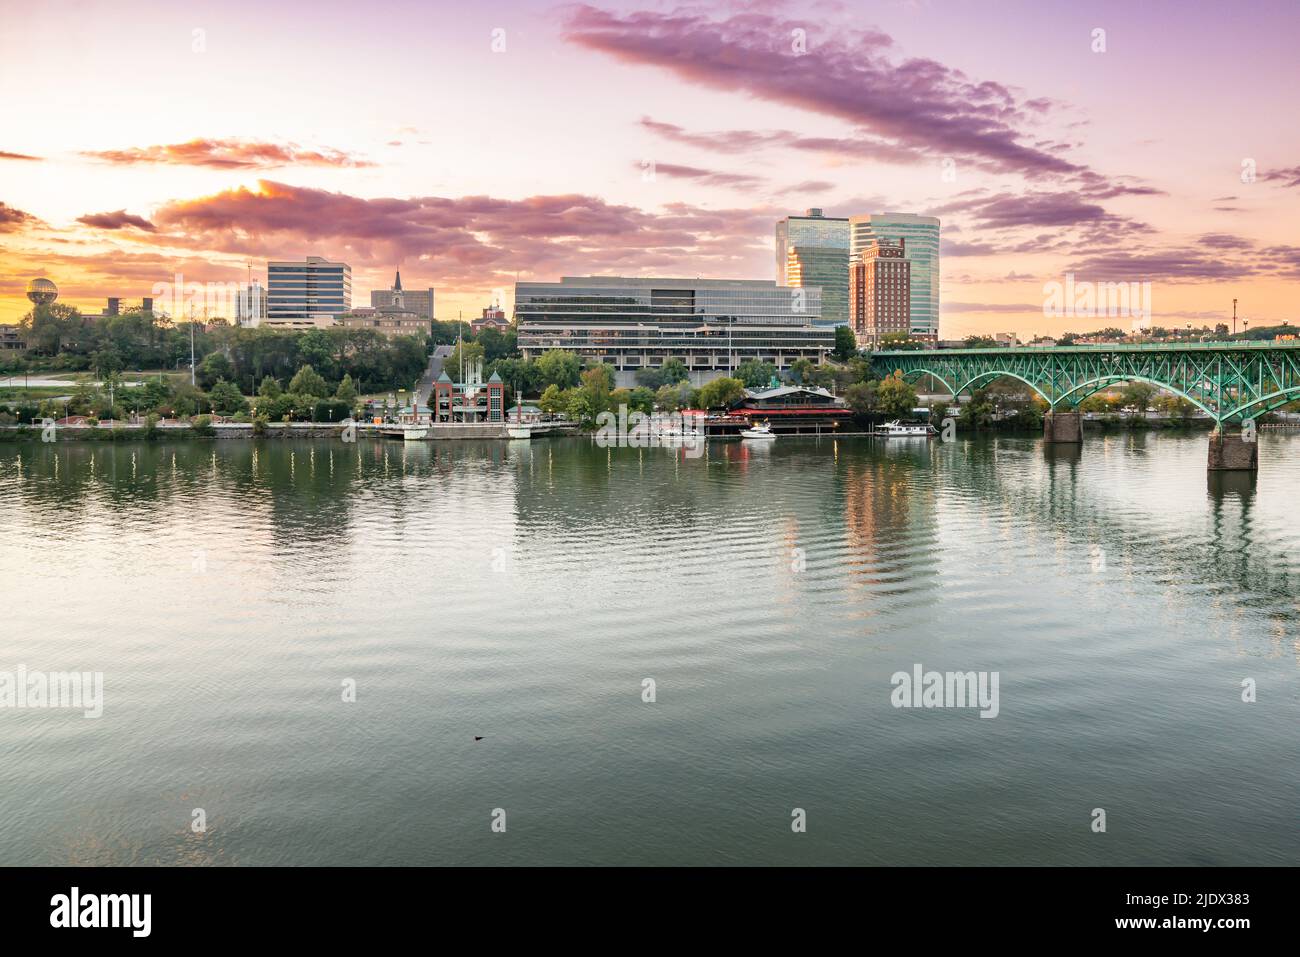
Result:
{"points": [[1232, 453], [1063, 427]]}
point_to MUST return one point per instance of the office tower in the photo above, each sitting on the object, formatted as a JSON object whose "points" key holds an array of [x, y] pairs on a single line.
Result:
{"points": [[711, 325], [880, 295], [922, 236], [813, 250], [307, 294]]}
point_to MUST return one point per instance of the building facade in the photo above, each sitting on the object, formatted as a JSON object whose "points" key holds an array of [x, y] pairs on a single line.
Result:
{"points": [[250, 305], [418, 301], [307, 294], [11, 339], [880, 292], [711, 325], [492, 318], [388, 322], [813, 250], [922, 237], [472, 400]]}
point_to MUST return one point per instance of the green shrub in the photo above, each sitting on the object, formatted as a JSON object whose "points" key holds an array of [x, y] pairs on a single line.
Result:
{"points": [[202, 425]]}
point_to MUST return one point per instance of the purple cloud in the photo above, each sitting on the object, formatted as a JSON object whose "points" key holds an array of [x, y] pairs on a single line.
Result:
{"points": [[913, 104]]}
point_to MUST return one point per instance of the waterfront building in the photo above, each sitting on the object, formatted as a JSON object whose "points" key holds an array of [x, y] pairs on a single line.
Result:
{"points": [[921, 234], [307, 294], [418, 301], [471, 400], [711, 325], [813, 250], [792, 407], [880, 294]]}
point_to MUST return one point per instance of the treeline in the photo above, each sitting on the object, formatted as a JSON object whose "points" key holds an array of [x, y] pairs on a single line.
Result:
{"points": [[59, 338]]}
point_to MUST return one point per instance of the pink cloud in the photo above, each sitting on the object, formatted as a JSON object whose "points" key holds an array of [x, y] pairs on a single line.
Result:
{"points": [[229, 154]]}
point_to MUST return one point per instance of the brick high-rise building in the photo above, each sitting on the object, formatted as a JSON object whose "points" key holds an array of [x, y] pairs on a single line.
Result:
{"points": [[880, 296]]}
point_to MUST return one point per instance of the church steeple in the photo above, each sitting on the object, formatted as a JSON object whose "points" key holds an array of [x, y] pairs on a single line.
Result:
{"points": [[397, 283]]}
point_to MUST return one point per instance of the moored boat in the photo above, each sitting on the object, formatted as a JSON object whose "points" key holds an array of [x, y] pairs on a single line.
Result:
{"points": [[905, 430]]}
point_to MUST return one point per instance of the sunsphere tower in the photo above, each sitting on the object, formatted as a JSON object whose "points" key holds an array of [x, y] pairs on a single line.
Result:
{"points": [[42, 292]]}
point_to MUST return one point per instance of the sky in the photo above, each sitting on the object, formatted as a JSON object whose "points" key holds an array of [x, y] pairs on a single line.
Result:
{"points": [[473, 144]]}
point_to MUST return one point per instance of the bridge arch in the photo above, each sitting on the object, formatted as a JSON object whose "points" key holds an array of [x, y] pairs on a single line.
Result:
{"points": [[917, 373], [1084, 389], [998, 374], [1267, 403]]}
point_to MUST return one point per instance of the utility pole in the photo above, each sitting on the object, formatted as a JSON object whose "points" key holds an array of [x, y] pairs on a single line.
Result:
{"points": [[1234, 317], [191, 343]]}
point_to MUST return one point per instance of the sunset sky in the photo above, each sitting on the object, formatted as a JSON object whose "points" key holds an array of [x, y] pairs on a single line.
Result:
{"points": [[469, 144]]}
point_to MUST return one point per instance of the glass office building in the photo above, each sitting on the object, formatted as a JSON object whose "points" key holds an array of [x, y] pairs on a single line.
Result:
{"points": [[813, 250], [711, 325], [921, 234], [307, 294]]}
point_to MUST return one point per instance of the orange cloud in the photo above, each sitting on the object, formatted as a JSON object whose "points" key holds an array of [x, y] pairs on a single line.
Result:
{"points": [[229, 154]]}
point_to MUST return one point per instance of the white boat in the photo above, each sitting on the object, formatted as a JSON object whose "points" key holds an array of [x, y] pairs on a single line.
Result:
{"points": [[897, 430], [414, 434], [519, 431], [762, 430]]}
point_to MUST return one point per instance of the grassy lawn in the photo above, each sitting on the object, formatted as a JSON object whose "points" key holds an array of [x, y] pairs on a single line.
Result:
{"points": [[35, 393]]}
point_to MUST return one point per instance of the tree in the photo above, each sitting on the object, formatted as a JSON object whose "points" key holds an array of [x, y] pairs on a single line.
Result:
{"points": [[214, 368], [308, 382], [846, 343], [641, 399], [861, 398], [346, 392], [1139, 395], [721, 393], [669, 398], [895, 398], [597, 385], [270, 388], [801, 369], [552, 400], [225, 399], [981, 342], [755, 374], [673, 371], [469, 351], [559, 367], [579, 407]]}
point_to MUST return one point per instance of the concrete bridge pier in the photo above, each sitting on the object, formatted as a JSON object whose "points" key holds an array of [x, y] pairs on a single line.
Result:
{"points": [[1063, 427], [1233, 452]]}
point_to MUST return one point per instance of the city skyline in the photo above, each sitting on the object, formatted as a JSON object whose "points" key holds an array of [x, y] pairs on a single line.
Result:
{"points": [[545, 140]]}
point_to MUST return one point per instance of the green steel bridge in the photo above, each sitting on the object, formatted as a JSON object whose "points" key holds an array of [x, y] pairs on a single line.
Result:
{"points": [[1232, 382]]}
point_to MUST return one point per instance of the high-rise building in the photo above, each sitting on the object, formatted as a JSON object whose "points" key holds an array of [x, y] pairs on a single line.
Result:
{"points": [[250, 305], [307, 294], [880, 297], [418, 301], [813, 250], [711, 325], [922, 236]]}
